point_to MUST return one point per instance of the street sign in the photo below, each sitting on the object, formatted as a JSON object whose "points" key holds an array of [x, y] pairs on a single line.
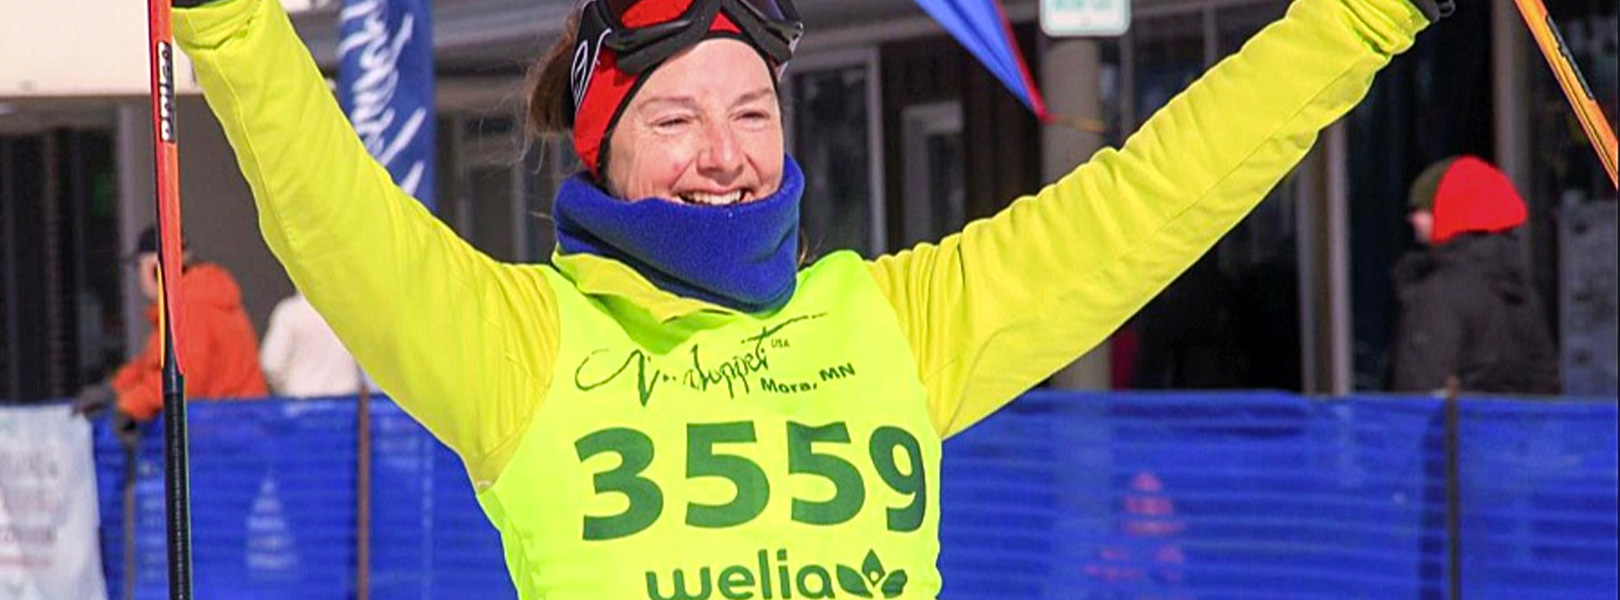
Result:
{"points": [[1095, 18]]}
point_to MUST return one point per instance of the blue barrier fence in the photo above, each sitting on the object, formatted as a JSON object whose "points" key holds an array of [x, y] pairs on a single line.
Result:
{"points": [[1060, 496]]}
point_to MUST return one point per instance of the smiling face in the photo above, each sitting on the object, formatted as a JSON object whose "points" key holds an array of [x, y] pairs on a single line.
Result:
{"points": [[705, 128]]}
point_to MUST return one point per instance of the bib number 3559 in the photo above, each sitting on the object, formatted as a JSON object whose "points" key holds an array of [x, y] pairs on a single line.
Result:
{"points": [[895, 454]]}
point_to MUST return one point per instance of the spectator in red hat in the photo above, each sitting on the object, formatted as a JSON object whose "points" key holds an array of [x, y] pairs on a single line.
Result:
{"points": [[1467, 307]]}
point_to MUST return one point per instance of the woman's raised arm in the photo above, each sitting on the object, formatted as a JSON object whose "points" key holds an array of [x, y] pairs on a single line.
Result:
{"points": [[995, 309], [453, 336]]}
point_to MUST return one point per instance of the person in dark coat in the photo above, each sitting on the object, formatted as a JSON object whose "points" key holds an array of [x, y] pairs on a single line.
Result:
{"points": [[1467, 306], [1188, 334]]}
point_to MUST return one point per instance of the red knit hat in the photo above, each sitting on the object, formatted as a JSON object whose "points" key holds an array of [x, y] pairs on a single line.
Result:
{"points": [[1474, 196]]}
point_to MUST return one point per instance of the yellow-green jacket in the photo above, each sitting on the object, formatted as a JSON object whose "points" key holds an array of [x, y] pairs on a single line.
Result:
{"points": [[471, 347]]}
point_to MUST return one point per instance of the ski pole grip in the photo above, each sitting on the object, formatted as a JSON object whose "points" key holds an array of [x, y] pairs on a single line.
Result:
{"points": [[1433, 9]]}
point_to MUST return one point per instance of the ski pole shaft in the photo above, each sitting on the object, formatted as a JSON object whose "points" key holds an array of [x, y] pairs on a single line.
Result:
{"points": [[1573, 83], [166, 155]]}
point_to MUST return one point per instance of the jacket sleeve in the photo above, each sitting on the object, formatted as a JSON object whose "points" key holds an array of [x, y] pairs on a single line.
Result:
{"points": [[463, 343], [996, 308], [139, 382], [276, 351]]}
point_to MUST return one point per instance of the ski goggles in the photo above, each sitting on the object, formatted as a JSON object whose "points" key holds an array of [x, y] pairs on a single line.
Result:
{"points": [[621, 41], [643, 33]]}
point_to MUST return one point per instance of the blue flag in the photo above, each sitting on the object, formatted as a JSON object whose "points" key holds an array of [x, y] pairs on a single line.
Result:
{"points": [[982, 27], [385, 84]]}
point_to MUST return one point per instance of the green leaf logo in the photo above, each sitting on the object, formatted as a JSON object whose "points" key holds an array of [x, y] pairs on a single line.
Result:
{"points": [[851, 581], [895, 584], [872, 575]]}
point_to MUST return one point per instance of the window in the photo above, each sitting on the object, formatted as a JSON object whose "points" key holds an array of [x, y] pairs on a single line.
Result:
{"points": [[500, 186], [1570, 184], [935, 197], [59, 263], [833, 123], [1233, 319]]}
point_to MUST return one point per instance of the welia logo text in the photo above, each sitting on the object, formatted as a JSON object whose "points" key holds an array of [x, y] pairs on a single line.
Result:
{"points": [[766, 580]]}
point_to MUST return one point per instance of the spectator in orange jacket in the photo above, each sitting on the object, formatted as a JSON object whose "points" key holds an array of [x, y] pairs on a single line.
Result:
{"points": [[221, 351]]}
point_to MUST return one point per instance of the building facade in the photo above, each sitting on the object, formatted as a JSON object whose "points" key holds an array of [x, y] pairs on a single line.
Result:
{"points": [[904, 138]]}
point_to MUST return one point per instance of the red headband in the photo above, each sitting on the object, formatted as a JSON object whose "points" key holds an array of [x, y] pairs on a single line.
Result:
{"points": [[607, 88]]}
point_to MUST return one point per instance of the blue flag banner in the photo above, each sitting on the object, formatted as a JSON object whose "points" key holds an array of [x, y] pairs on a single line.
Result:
{"points": [[982, 27], [385, 84]]}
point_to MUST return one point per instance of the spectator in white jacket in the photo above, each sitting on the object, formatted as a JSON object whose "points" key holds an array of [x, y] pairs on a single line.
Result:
{"points": [[301, 356]]}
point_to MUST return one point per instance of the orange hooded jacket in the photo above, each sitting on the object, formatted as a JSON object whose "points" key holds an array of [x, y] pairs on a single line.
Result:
{"points": [[221, 349]]}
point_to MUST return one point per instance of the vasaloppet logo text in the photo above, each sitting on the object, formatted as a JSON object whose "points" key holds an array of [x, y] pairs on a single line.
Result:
{"points": [[734, 371], [768, 580]]}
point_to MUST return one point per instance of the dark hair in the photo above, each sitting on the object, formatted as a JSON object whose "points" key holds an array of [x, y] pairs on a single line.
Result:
{"points": [[147, 241], [551, 104]]}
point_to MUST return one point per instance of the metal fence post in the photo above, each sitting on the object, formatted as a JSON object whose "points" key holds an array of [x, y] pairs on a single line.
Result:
{"points": [[1453, 490], [362, 479], [131, 471]]}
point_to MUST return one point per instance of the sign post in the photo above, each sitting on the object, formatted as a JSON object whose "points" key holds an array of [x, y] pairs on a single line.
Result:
{"points": [[1085, 18]]}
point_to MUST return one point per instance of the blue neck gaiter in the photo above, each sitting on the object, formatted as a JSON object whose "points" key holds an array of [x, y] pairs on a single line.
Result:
{"points": [[742, 257]]}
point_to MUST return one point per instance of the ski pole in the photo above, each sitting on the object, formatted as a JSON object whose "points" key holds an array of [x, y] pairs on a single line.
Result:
{"points": [[1574, 84], [166, 159]]}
